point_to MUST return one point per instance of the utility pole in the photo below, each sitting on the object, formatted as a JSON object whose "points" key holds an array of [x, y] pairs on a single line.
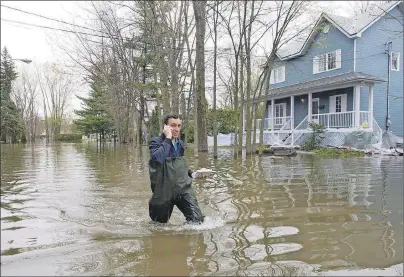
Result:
{"points": [[388, 52]]}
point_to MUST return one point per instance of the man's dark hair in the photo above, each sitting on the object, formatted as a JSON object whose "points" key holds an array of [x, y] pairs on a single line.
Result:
{"points": [[167, 117]]}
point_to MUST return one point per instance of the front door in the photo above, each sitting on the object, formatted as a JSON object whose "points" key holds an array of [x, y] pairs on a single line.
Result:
{"points": [[280, 115], [315, 110], [339, 117]]}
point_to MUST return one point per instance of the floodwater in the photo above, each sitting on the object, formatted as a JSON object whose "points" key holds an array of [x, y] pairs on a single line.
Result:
{"points": [[71, 209]]}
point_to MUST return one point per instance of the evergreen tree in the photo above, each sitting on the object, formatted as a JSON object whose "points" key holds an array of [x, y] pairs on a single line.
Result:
{"points": [[11, 121], [95, 115]]}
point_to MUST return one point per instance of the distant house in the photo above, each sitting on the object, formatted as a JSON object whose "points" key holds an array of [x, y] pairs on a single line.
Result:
{"points": [[338, 77]]}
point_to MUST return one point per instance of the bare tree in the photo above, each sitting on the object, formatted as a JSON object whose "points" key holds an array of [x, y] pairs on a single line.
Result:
{"points": [[228, 24], [215, 31], [56, 88], [24, 94], [285, 13]]}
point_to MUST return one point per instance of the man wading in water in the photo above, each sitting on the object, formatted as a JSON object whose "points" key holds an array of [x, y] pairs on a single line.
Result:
{"points": [[170, 176]]}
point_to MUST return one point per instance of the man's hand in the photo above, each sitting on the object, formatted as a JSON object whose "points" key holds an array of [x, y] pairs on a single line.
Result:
{"points": [[167, 131]]}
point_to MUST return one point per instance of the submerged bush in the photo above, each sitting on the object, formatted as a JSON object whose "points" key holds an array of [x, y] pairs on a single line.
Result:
{"points": [[341, 153]]}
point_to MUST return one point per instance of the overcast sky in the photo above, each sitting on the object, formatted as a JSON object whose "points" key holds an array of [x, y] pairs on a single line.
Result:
{"points": [[35, 43]]}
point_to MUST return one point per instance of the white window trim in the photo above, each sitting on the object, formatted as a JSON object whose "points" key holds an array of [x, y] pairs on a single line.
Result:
{"points": [[315, 117], [338, 63], [283, 117], [271, 77], [398, 61]]}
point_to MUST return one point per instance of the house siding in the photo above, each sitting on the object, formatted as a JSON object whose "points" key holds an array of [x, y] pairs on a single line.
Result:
{"points": [[372, 59], [300, 69]]}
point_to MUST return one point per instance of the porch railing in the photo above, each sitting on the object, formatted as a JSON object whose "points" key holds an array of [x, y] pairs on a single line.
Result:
{"points": [[303, 125], [298, 131], [328, 120], [279, 123], [335, 120]]}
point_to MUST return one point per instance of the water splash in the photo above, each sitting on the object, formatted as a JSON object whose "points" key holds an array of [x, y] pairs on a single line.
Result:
{"points": [[208, 224]]}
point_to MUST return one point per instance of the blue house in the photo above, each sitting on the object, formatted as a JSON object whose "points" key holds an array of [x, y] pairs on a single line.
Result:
{"points": [[339, 76]]}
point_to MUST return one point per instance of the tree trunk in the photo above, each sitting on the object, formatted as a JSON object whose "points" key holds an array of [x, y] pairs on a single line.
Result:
{"points": [[247, 44], [164, 88], [216, 14], [236, 106], [241, 121], [200, 20], [174, 88], [254, 128]]}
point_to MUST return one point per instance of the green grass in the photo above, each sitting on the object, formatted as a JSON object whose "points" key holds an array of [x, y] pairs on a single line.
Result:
{"points": [[340, 153]]}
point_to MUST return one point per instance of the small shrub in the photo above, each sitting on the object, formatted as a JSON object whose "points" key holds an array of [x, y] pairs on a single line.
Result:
{"points": [[68, 137], [315, 138]]}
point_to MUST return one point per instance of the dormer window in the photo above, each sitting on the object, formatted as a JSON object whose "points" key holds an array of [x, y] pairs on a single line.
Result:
{"points": [[327, 61]]}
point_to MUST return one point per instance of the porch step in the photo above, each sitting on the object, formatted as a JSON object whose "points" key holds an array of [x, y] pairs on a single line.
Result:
{"points": [[286, 137], [278, 150]]}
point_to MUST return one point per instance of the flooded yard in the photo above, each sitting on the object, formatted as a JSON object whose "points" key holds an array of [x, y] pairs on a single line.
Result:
{"points": [[73, 209]]}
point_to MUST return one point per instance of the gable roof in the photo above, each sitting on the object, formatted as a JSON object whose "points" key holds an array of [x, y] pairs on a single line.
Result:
{"points": [[349, 26]]}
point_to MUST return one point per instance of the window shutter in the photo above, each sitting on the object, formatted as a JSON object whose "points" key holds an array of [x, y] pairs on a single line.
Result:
{"points": [[344, 101], [332, 104], [269, 111], [338, 57], [315, 64], [284, 110], [272, 77], [283, 74]]}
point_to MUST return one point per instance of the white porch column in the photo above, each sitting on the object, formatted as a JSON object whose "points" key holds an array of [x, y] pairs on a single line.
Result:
{"points": [[310, 103], [292, 116], [273, 114], [370, 106], [292, 112], [357, 96]]}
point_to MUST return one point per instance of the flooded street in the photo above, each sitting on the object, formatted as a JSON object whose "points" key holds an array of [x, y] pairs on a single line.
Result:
{"points": [[71, 209]]}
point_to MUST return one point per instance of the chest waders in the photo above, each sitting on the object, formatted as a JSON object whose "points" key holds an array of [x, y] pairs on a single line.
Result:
{"points": [[171, 186]]}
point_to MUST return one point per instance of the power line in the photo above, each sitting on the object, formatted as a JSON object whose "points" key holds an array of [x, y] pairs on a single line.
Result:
{"points": [[107, 35], [53, 19], [101, 32], [220, 52], [52, 28]]}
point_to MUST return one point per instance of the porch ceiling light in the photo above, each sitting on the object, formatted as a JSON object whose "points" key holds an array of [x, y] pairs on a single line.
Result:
{"points": [[302, 100]]}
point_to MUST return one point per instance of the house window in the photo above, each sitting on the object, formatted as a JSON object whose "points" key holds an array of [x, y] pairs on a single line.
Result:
{"points": [[280, 113], [338, 104], [395, 61], [331, 60], [277, 75], [327, 61]]}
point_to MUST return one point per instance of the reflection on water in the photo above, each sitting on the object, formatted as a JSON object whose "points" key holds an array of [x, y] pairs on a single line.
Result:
{"points": [[69, 209]]}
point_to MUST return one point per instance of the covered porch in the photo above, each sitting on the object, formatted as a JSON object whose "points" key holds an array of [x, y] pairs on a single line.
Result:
{"points": [[342, 103]]}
